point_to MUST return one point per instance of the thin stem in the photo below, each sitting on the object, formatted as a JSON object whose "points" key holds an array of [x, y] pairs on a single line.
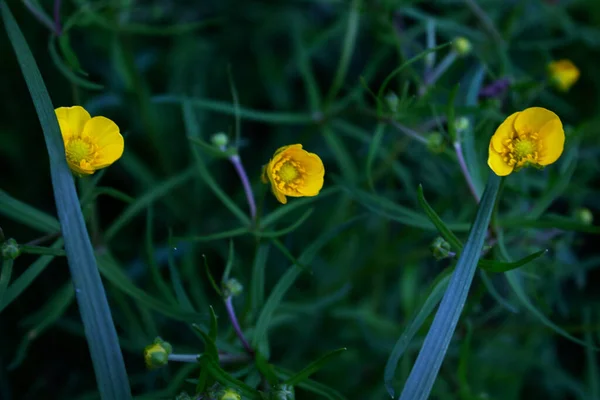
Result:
{"points": [[236, 325], [237, 163], [465, 170], [485, 20], [440, 68], [57, 27], [407, 131], [45, 238], [40, 16], [224, 358]]}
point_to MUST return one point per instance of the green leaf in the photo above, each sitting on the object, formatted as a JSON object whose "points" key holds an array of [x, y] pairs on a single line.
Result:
{"points": [[430, 358], [257, 282], [100, 331], [25, 214], [158, 279], [159, 190], [412, 328], [66, 71], [313, 367], [212, 333], [224, 378], [288, 279], [41, 250], [437, 222], [291, 228], [373, 149], [266, 369], [64, 42], [312, 386], [210, 347], [549, 222], [230, 261], [283, 211], [498, 266], [180, 293], [48, 313], [210, 277], [27, 277], [214, 236], [5, 274]]}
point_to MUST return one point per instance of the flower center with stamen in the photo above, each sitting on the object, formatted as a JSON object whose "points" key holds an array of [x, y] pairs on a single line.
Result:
{"points": [[80, 151], [521, 150], [288, 172]]}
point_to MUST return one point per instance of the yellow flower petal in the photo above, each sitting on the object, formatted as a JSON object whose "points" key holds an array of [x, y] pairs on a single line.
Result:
{"points": [[531, 120], [105, 134], [71, 120], [552, 139], [278, 195], [563, 74], [505, 131], [497, 164]]}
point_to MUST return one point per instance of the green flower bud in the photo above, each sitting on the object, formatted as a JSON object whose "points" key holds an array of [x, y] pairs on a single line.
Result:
{"points": [[462, 46], [220, 140], [157, 354], [232, 287], [392, 101], [229, 394], [440, 249], [584, 215], [282, 392], [435, 142], [10, 249], [461, 124]]}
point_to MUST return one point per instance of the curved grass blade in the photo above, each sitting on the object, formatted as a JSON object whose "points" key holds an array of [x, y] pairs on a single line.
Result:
{"points": [[313, 367], [27, 277], [430, 358], [437, 221], [312, 386], [260, 336], [375, 143], [5, 274], [157, 191], [498, 266], [49, 251], [100, 331], [487, 282], [66, 71], [257, 282], [178, 288], [282, 211], [411, 330], [549, 222], [291, 228], [19, 211], [223, 377]]}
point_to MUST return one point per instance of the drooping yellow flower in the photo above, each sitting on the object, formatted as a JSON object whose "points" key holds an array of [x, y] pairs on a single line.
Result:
{"points": [[563, 74], [90, 143], [534, 136], [294, 172]]}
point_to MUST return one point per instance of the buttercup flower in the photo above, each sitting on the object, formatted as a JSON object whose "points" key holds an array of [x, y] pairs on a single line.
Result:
{"points": [[563, 74], [294, 172], [533, 136], [90, 143]]}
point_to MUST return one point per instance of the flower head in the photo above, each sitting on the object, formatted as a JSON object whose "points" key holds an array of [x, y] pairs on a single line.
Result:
{"points": [[563, 74], [294, 172], [533, 136], [90, 143], [462, 46], [157, 354]]}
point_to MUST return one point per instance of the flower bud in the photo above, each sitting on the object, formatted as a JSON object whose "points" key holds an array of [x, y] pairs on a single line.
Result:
{"points": [[220, 140], [584, 215], [440, 249], [462, 46], [157, 354], [435, 142], [462, 124], [232, 287], [10, 249], [392, 101], [229, 394], [283, 392]]}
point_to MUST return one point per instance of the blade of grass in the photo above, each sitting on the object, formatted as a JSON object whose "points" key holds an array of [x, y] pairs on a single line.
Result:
{"points": [[313, 367], [5, 274], [373, 150], [291, 228], [27, 215], [430, 358], [312, 386], [100, 331], [257, 282]]}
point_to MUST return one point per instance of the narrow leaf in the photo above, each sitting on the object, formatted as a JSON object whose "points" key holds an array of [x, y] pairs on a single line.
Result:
{"points": [[223, 377], [313, 367], [498, 266], [100, 331]]}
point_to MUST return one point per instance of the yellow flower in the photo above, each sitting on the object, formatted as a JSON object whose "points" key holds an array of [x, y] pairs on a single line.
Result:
{"points": [[533, 136], [90, 143], [563, 74], [294, 172]]}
